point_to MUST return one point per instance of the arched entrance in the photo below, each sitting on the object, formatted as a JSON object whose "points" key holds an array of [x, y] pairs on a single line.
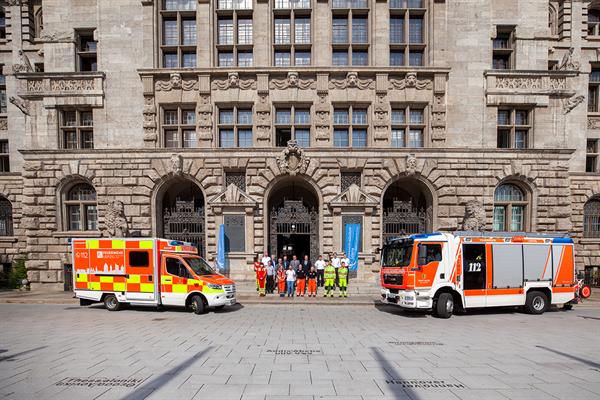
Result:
{"points": [[293, 219], [180, 213], [407, 208]]}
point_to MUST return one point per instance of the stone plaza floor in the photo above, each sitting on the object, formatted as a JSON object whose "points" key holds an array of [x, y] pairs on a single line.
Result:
{"points": [[296, 352]]}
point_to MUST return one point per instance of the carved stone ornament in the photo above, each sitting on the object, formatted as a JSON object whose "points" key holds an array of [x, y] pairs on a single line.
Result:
{"points": [[571, 103], [116, 223], [232, 196], [511, 82], [176, 164], [3, 124], [411, 164], [24, 64], [292, 160], [176, 82], [21, 104], [13, 2], [233, 81], [204, 111], [292, 81], [381, 112], [352, 81], [411, 81], [57, 37], [593, 123], [474, 219], [354, 196], [568, 63]]}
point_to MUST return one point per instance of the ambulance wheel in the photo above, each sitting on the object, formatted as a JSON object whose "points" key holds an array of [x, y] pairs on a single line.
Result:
{"points": [[444, 306], [111, 303], [536, 302], [585, 291], [197, 305]]}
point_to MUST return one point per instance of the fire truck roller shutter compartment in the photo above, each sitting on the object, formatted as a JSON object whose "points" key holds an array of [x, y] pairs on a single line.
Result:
{"points": [[537, 262], [508, 266]]}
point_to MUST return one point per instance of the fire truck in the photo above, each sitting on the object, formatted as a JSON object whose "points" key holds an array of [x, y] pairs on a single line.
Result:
{"points": [[146, 271], [443, 272]]}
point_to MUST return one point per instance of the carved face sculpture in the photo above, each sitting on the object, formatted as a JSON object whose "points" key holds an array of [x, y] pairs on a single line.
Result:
{"points": [[176, 80], [233, 80], [117, 205], [411, 79], [293, 79], [352, 79]]}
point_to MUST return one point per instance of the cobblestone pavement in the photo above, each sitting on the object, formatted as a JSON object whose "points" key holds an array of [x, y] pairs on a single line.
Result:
{"points": [[311, 352]]}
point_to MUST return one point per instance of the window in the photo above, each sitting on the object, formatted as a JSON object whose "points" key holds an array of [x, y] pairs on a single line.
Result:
{"points": [[4, 156], [503, 48], [408, 127], [178, 30], [349, 178], [510, 208], [591, 159], [591, 218], [292, 33], [237, 178], [3, 109], [407, 32], [292, 123], [6, 218], [350, 32], [235, 127], [513, 129], [80, 207], [553, 20], [350, 127], [176, 268], [179, 127], [429, 253], [2, 23], [139, 259], [77, 129], [38, 21], [593, 89], [235, 35], [235, 4], [593, 22], [86, 51]]}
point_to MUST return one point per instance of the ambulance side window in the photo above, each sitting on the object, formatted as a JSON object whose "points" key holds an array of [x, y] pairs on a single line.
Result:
{"points": [[429, 253], [176, 267], [139, 259]]}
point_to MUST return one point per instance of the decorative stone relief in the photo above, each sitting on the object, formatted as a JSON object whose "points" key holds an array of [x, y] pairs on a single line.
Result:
{"points": [[381, 120], [593, 123], [232, 196], [71, 85], [411, 81], [57, 37], [13, 2], [262, 117], [21, 104], [149, 119], [411, 164], [233, 81], [571, 103], [292, 160], [568, 62], [474, 219], [323, 117], [352, 81], [36, 85], [510, 82], [24, 64], [3, 124], [558, 83], [176, 164], [353, 196], [205, 117], [176, 82], [292, 81], [116, 223]]}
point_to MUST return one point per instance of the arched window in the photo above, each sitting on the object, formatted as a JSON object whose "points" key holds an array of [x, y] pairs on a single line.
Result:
{"points": [[510, 208], [80, 208], [591, 218], [38, 22], [6, 222], [593, 22], [552, 20]]}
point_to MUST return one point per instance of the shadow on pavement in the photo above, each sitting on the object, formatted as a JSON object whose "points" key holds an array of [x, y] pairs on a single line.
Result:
{"points": [[12, 356], [394, 310], [572, 357], [586, 317], [399, 392], [155, 309], [165, 377]]}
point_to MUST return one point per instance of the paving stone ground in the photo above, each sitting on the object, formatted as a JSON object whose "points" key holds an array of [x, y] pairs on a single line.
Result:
{"points": [[311, 352]]}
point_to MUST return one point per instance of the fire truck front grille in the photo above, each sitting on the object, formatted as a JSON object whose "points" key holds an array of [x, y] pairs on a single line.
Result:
{"points": [[393, 279], [229, 291]]}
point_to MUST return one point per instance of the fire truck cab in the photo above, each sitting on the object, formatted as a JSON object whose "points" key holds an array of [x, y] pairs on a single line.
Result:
{"points": [[443, 272], [146, 271]]}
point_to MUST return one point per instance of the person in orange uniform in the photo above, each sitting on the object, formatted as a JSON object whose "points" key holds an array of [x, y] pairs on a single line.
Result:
{"points": [[300, 281], [312, 282], [257, 265], [281, 280], [261, 277]]}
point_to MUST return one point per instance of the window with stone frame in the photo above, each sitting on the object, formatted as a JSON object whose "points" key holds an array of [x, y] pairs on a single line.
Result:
{"points": [[408, 126], [3, 104], [6, 217], [350, 126], [593, 20], [591, 158], [503, 48], [234, 32], [35, 18], [591, 218], [76, 127], [292, 33], [237, 178], [514, 127], [235, 232], [80, 208], [511, 206], [179, 126], [235, 126], [2, 23], [594, 89], [553, 18], [350, 32], [292, 123], [4, 156], [407, 32], [87, 56], [349, 178], [178, 33]]}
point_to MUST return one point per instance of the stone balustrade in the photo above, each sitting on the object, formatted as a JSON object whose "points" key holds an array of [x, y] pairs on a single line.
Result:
{"points": [[530, 82], [36, 85]]}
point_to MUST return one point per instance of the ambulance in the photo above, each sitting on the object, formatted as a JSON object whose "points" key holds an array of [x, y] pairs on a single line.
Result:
{"points": [[443, 272], [147, 271]]}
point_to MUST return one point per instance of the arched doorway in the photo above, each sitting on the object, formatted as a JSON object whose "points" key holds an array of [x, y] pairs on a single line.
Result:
{"points": [[407, 208], [180, 213], [293, 219]]}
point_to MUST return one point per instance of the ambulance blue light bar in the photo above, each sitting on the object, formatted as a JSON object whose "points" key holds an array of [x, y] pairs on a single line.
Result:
{"points": [[562, 240]]}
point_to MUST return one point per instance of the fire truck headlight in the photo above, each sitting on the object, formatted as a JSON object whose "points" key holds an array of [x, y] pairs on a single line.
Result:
{"points": [[215, 286]]}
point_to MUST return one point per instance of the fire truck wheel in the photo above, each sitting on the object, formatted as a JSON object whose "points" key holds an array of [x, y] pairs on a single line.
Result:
{"points": [[585, 291], [111, 303], [536, 303], [197, 304], [444, 306]]}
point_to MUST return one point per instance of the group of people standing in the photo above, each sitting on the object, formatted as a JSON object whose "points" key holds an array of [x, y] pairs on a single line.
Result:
{"points": [[301, 277]]}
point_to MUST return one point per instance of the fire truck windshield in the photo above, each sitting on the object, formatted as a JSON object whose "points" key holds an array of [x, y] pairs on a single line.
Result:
{"points": [[396, 255], [199, 266]]}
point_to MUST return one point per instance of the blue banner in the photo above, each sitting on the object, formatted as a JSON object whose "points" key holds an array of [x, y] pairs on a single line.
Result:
{"points": [[352, 244], [221, 249]]}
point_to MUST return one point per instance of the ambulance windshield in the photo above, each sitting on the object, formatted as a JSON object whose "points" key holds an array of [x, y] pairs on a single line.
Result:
{"points": [[199, 266], [397, 255]]}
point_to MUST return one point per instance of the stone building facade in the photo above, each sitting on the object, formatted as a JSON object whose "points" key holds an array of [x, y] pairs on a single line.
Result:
{"points": [[286, 120]]}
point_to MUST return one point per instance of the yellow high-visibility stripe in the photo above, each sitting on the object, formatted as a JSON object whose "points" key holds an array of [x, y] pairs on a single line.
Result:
{"points": [[146, 244], [81, 278], [147, 287], [118, 244], [178, 288], [134, 279], [92, 244]]}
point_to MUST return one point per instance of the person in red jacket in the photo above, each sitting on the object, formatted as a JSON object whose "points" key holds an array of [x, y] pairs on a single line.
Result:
{"points": [[261, 277], [281, 279], [257, 265]]}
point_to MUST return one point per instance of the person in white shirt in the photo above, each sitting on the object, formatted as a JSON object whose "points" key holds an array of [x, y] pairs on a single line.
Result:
{"points": [[320, 266], [266, 260], [345, 260], [336, 262], [290, 278]]}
